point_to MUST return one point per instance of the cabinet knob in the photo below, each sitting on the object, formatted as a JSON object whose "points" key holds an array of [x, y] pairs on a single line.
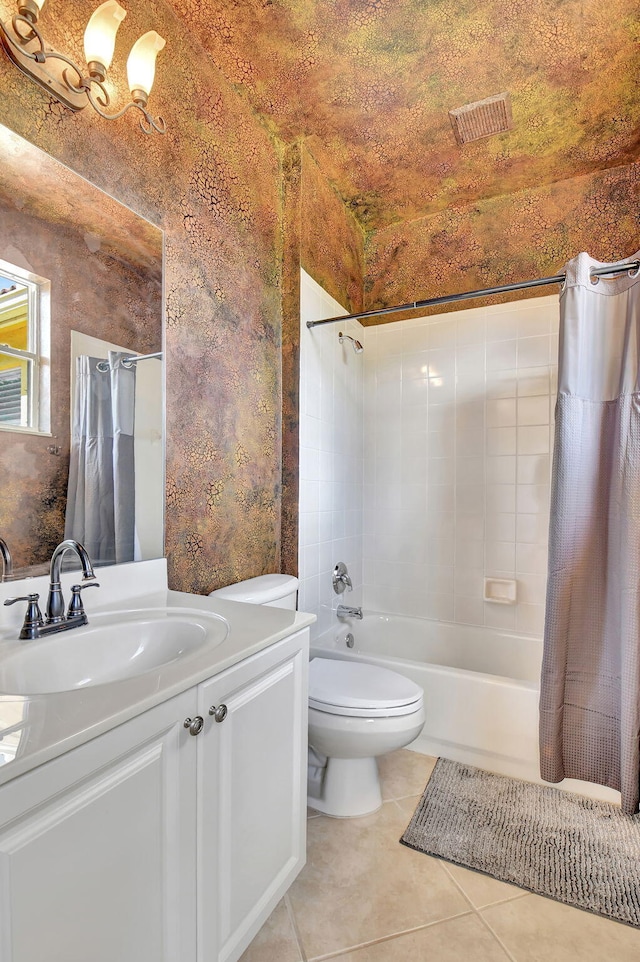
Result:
{"points": [[195, 725], [219, 713]]}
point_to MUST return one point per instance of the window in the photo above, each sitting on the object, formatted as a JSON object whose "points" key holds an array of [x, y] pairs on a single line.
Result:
{"points": [[24, 351]]}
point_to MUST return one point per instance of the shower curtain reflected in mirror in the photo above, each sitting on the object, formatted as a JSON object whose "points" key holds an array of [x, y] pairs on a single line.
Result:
{"points": [[100, 510], [590, 686]]}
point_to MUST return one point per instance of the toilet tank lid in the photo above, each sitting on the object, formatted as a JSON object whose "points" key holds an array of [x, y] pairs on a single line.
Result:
{"points": [[258, 591], [356, 684]]}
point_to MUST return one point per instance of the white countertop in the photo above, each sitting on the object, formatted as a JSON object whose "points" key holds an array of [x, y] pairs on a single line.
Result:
{"points": [[36, 728]]}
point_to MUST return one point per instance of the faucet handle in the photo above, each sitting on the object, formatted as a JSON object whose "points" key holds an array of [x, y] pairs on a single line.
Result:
{"points": [[341, 579], [33, 617], [75, 605]]}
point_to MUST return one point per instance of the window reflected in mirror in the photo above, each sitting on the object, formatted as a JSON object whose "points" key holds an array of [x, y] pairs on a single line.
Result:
{"points": [[24, 350]]}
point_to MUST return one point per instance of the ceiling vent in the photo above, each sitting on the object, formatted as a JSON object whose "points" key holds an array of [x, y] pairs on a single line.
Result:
{"points": [[484, 118]]}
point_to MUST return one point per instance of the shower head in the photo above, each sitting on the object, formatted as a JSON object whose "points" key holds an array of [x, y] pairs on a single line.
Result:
{"points": [[357, 346]]}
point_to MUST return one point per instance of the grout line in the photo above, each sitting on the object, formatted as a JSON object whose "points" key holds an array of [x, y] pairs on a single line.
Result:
{"points": [[294, 926], [477, 912], [495, 935], [387, 938]]}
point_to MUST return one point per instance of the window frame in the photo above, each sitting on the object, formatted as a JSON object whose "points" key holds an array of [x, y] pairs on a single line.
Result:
{"points": [[38, 355]]}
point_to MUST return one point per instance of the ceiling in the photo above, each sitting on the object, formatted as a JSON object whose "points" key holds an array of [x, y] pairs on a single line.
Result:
{"points": [[369, 83]]}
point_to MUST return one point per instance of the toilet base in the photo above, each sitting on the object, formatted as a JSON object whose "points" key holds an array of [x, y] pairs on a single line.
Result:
{"points": [[351, 787]]}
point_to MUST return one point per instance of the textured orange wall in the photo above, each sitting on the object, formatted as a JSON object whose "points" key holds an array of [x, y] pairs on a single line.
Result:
{"points": [[507, 239], [228, 197], [213, 184], [332, 242]]}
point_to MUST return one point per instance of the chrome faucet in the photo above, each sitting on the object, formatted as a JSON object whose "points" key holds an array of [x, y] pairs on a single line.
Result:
{"points": [[35, 626], [340, 578], [344, 611], [55, 601], [5, 554]]}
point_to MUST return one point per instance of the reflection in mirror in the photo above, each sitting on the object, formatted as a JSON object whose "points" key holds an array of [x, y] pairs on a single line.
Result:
{"points": [[92, 273], [24, 350]]}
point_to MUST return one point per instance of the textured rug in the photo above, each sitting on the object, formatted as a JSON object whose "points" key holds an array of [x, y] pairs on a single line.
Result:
{"points": [[572, 849]]}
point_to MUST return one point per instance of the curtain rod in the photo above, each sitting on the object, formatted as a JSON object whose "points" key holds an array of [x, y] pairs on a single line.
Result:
{"points": [[450, 298], [128, 361]]}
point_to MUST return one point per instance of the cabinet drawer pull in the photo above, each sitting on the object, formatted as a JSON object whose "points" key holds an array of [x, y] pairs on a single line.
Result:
{"points": [[195, 725], [219, 713]]}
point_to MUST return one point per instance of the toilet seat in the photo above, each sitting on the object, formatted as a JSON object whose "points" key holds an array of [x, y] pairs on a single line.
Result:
{"points": [[360, 690]]}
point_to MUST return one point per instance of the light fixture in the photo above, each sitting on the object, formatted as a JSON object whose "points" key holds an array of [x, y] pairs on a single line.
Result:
{"points": [[26, 48]]}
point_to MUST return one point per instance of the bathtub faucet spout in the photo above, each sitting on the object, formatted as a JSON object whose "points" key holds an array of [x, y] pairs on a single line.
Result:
{"points": [[344, 611]]}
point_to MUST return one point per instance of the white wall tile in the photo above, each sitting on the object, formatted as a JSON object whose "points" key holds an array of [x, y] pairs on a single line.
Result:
{"points": [[501, 355], [438, 439], [533, 440], [500, 616], [501, 470], [501, 413], [534, 351], [500, 556], [533, 469], [501, 526], [532, 528], [501, 441], [533, 410]]}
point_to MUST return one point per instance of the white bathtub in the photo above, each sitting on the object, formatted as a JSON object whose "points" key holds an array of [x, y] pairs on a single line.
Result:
{"points": [[481, 689]]}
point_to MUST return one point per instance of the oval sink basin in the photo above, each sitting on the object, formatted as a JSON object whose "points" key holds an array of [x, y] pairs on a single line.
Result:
{"points": [[110, 648]]}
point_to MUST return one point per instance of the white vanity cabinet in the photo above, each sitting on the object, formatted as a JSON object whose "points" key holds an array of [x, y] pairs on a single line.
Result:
{"points": [[97, 848], [252, 794], [150, 844]]}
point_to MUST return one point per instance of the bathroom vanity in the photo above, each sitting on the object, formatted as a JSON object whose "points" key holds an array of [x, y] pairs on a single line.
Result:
{"points": [[162, 816]]}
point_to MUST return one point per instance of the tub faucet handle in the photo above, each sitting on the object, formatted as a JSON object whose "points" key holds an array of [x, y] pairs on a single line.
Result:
{"points": [[341, 579]]}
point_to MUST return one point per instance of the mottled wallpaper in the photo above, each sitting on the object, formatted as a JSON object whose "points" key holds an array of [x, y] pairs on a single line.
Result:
{"points": [[213, 184], [216, 185], [517, 237]]}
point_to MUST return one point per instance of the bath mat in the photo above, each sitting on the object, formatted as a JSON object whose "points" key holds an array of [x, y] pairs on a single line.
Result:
{"points": [[569, 848]]}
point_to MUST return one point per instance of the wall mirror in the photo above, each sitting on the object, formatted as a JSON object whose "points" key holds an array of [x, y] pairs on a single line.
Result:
{"points": [[81, 368]]}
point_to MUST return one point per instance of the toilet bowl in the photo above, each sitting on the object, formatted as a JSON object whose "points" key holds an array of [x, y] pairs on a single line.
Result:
{"points": [[357, 712]]}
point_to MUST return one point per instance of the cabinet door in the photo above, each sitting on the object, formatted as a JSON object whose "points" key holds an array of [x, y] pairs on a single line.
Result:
{"points": [[251, 795], [97, 848]]}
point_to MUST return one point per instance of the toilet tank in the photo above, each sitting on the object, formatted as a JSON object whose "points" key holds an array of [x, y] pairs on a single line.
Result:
{"points": [[276, 591]]}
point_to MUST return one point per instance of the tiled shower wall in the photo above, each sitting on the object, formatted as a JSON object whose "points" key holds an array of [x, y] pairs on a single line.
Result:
{"points": [[331, 456], [458, 435], [442, 430]]}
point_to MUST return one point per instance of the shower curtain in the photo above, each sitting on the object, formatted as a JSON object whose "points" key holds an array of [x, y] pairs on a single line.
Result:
{"points": [[100, 509], [590, 686]]}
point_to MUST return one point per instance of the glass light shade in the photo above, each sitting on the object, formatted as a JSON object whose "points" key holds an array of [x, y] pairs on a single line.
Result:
{"points": [[141, 65], [39, 4], [100, 35]]}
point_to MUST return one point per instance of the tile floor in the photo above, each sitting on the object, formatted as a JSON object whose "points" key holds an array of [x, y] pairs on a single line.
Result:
{"points": [[363, 897]]}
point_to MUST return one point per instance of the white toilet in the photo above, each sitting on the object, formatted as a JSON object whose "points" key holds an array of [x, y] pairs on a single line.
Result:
{"points": [[357, 712]]}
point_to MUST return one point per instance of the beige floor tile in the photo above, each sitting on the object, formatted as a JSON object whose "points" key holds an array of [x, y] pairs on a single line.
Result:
{"points": [[463, 939], [360, 884], [404, 773], [536, 929], [408, 805], [276, 941], [482, 889]]}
